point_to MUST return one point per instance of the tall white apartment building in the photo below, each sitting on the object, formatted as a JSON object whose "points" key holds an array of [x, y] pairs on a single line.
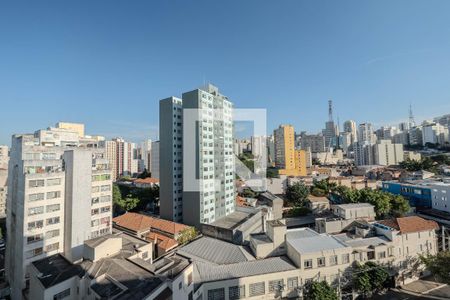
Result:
{"points": [[366, 133], [171, 159], [146, 152], [154, 165], [59, 196], [434, 133], [363, 153], [122, 156], [211, 195], [387, 153]]}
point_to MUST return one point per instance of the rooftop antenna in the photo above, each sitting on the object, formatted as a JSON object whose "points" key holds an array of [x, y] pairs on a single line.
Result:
{"points": [[412, 123], [330, 110]]}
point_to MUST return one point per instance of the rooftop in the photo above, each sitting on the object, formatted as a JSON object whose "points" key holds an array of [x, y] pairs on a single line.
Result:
{"points": [[362, 242], [148, 180], [139, 222], [234, 220], [410, 224], [56, 269], [215, 251], [308, 242], [353, 205], [209, 272], [318, 199]]}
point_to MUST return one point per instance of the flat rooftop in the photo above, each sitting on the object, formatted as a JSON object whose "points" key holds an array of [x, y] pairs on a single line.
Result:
{"points": [[56, 269], [234, 220], [310, 241], [353, 205]]}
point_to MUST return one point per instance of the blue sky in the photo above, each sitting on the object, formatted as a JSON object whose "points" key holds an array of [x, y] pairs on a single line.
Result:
{"points": [[107, 63]]}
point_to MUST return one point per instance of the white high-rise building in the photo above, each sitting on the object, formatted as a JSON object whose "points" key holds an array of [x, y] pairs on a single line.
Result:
{"points": [[434, 133], [59, 196], [171, 159], [154, 165], [146, 153], [212, 196], [366, 133], [363, 153]]}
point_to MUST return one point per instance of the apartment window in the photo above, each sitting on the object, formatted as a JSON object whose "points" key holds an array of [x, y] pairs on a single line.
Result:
{"points": [[101, 177], [35, 224], [95, 200], [382, 254], [333, 260], [95, 223], [292, 283], [95, 189], [62, 295], [52, 247], [321, 262], [105, 209], [52, 208], [36, 197], [307, 264], [275, 285], [94, 211], [54, 220], [106, 198], [52, 233], [236, 292], [35, 238], [36, 183], [53, 181], [35, 210], [53, 195], [345, 258], [257, 289], [216, 294], [34, 252], [105, 188]]}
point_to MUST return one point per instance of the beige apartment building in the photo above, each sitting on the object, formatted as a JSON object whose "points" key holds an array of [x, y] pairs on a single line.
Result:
{"points": [[59, 195]]}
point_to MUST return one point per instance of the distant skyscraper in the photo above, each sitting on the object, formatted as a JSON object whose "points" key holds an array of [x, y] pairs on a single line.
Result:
{"points": [[214, 195], [290, 161], [366, 133], [146, 152], [331, 130], [122, 156], [59, 196], [350, 127]]}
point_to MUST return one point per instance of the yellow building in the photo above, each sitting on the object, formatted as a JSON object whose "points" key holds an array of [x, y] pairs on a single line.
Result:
{"points": [[77, 127], [290, 162]]}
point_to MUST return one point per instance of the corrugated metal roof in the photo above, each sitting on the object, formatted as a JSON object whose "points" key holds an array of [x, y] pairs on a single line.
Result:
{"points": [[317, 243], [215, 251], [209, 272]]}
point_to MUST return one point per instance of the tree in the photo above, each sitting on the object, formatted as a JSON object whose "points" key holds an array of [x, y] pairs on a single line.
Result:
{"points": [[272, 173], [325, 186], [187, 235], [116, 194], [320, 290], [298, 211], [297, 194], [400, 206], [128, 203], [369, 278], [439, 265]]}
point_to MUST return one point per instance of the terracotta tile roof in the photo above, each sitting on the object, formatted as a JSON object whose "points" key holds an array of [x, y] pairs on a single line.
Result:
{"points": [[148, 180], [410, 224], [240, 201], [162, 241], [138, 222]]}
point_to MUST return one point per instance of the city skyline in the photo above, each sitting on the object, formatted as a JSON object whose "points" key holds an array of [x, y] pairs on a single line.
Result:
{"points": [[108, 65]]}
